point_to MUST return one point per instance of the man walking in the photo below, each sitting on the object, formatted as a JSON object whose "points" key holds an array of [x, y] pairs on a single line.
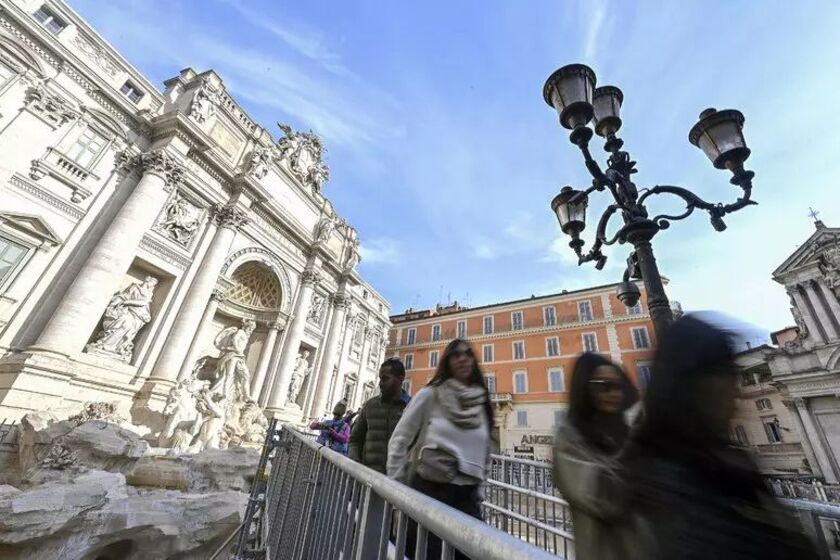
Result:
{"points": [[378, 417]]}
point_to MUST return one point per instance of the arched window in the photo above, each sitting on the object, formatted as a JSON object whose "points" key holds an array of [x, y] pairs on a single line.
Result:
{"points": [[255, 285]]}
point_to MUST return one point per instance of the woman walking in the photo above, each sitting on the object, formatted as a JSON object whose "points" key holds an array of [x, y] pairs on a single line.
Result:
{"points": [[586, 448], [441, 446], [694, 494]]}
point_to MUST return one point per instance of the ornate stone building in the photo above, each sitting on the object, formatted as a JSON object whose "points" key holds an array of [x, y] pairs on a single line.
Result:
{"points": [[804, 367], [162, 250]]}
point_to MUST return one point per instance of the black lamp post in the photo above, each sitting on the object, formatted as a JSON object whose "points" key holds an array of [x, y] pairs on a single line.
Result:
{"points": [[571, 91]]}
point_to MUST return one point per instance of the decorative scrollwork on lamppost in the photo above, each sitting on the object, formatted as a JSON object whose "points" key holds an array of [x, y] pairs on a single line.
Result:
{"points": [[571, 91]]}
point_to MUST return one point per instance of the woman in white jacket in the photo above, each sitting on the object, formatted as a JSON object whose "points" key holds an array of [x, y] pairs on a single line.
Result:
{"points": [[441, 445]]}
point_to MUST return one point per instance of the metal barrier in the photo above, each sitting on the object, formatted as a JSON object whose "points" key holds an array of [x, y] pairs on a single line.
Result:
{"points": [[320, 505], [815, 518]]}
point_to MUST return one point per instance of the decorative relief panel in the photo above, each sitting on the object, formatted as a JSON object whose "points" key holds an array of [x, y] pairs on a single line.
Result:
{"points": [[304, 152], [204, 102], [180, 220], [316, 310], [96, 55]]}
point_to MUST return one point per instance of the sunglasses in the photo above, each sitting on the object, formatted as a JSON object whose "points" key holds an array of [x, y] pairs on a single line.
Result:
{"points": [[605, 385]]}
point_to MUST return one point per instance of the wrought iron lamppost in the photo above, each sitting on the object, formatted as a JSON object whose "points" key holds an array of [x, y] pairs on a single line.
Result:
{"points": [[571, 91]]}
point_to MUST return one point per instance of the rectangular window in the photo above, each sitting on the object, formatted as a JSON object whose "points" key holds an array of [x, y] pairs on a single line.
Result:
{"points": [[558, 416], [740, 436], [86, 147], [640, 338], [643, 370], [409, 361], [412, 336], [462, 329], [519, 350], [131, 91], [555, 380], [590, 342], [490, 380], [11, 255], [520, 382], [49, 20], [406, 385], [549, 316], [552, 346], [349, 389], [516, 321], [521, 417], [774, 435], [435, 333], [433, 359], [763, 404], [488, 324], [487, 353], [636, 309], [585, 310]]}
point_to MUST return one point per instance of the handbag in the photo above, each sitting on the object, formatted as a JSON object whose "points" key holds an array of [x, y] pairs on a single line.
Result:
{"points": [[432, 464]]}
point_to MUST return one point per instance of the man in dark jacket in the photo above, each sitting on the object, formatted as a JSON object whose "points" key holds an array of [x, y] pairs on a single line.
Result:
{"points": [[378, 417]]}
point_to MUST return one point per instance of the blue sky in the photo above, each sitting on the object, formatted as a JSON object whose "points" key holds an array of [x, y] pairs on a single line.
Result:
{"points": [[445, 157]]}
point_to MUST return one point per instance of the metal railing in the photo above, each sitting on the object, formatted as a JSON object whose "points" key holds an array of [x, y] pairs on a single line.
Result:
{"points": [[320, 505], [819, 521]]}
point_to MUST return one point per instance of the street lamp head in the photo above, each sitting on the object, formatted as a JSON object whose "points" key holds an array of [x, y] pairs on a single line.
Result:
{"points": [[628, 293], [570, 208], [606, 103], [569, 90], [720, 134]]}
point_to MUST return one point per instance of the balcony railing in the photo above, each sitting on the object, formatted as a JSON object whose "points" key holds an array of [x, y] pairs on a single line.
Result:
{"points": [[774, 448]]}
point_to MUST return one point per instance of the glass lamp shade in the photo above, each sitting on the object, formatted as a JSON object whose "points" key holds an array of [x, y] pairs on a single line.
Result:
{"points": [[569, 90], [606, 103], [570, 208], [720, 134]]}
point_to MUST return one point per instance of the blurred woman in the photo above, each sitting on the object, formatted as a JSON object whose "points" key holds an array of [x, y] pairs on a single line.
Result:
{"points": [[335, 433], [694, 494], [441, 445], [586, 447]]}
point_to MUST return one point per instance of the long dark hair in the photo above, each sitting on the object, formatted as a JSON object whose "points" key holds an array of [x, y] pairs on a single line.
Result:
{"points": [[476, 377], [690, 351], [583, 415]]}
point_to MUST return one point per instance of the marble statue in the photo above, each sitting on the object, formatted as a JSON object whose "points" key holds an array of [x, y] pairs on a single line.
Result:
{"points": [[799, 320], [325, 228], [204, 102], [304, 151], [302, 369], [829, 264], [260, 162], [127, 312], [232, 374], [181, 413], [353, 255], [211, 407], [316, 308], [180, 220]]}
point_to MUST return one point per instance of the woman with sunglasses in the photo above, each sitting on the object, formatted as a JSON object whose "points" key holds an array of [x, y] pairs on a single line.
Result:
{"points": [[441, 445], [586, 448]]}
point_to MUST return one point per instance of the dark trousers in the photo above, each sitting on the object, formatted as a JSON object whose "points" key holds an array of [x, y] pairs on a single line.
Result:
{"points": [[461, 497]]}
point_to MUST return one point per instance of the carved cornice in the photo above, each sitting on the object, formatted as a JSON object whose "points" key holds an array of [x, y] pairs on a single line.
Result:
{"points": [[49, 107], [229, 216], [311, 276], [35, 191], [162, 250], [277, 326], [219, 295]]}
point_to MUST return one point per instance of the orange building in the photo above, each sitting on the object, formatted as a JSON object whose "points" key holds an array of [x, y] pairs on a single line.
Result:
{"points": [[527, 349]]}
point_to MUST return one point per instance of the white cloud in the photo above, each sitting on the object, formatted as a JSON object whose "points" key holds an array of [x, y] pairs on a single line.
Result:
{"points": [[380, 251]]}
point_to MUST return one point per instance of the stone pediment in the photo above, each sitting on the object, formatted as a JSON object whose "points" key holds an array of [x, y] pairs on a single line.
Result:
{"points": [[32, 226], [823, 244]]}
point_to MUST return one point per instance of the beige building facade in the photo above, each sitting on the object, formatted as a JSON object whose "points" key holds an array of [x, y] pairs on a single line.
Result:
{"points": [[161, 250]]}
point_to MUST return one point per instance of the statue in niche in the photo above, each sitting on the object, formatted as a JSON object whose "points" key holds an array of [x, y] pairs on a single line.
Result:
{"points": [[204, 102], [127, 312], [260, 162], [180, 220], [799, 320], [232, 374], [304, 151], [316, 308], [302, 369]]}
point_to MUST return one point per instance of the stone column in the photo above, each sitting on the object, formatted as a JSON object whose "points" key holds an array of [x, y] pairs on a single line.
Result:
{"points": [[833, 304], [805, 441], [363, 356], [265, 358], [177, 358], [279, 391], [319, 402], [810, 320], [822, 312], [80, 309], [813, 435]]}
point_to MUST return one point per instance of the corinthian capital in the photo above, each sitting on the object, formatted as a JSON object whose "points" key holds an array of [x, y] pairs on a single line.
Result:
{"points": [[163, 165], [341, 300], [310, 276], [229, 216]]}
